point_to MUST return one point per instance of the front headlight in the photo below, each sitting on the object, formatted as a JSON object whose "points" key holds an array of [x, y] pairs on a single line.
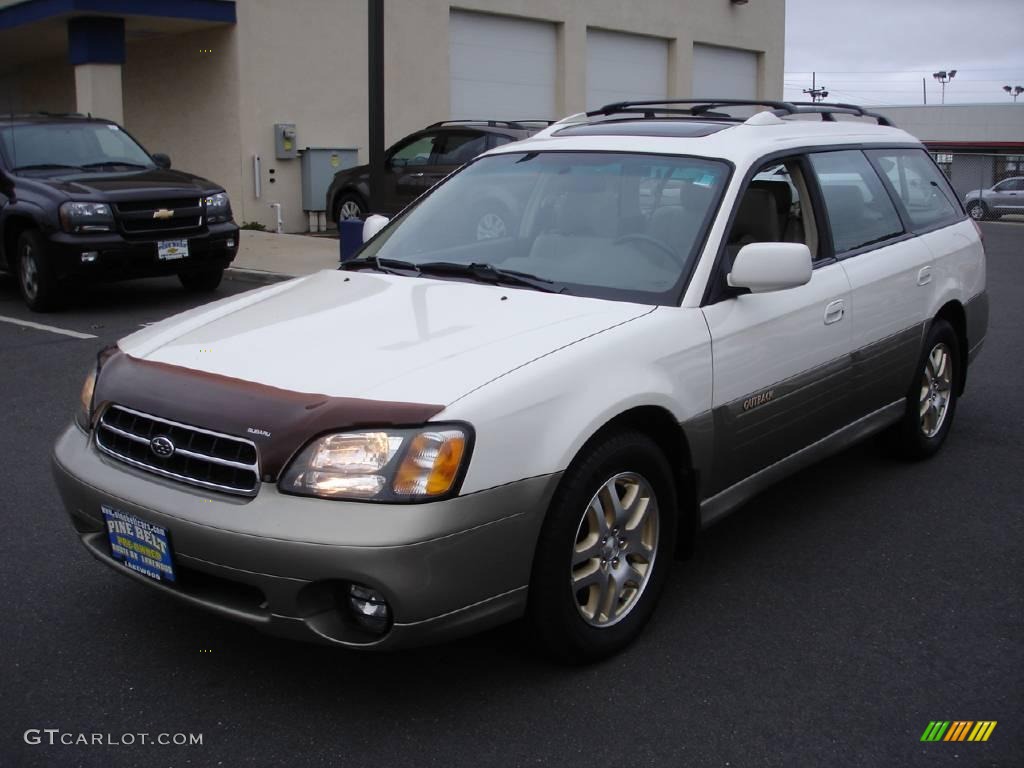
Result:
{"points": [[218, 208], [84, 415], [86, 217], [395, 465]]}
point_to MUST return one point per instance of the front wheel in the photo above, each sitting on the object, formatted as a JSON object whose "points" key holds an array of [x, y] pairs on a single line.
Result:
{"points": [[977, 211], [604, 551], [932, 399], [205, 281], [349, 206], [37, 280]]}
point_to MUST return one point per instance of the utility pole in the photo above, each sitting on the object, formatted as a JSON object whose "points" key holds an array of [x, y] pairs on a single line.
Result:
{"points": [[816, 93], [944, 77], [924, 90], [375, 65]]}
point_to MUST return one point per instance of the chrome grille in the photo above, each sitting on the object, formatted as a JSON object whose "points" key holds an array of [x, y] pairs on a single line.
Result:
{"points": [[199, 456]]}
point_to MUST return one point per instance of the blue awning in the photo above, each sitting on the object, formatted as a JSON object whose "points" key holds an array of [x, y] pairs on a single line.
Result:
{"points": [[32, 11]]}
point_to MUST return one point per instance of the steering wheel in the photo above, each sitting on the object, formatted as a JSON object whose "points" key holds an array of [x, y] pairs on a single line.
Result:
{"points": [[670, 255]]}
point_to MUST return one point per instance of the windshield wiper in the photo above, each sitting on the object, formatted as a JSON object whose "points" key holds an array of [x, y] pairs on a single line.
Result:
{"points": [[46, 167], [390, 266], [104, 163], [488, 273]]}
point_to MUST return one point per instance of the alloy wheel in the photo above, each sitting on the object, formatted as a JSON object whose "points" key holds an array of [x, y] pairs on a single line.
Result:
{"points": [[936, 389], [29, 272], [977, 212], [613, 555], [350, 210], [490, 226]]}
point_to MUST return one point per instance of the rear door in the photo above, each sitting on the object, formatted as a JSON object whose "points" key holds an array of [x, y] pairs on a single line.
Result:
{"points": [[781, 359], [889, 270], [410, 166]]}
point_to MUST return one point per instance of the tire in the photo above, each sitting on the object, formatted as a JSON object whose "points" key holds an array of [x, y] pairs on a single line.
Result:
{"points": [[978, 211], [491, 221], [577, 626], [37, 280], [349, 206], [932, 398], [204, 281]]}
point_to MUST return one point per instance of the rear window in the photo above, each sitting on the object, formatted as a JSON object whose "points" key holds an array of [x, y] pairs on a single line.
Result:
{"points": [[920, 186], [859, 209]]}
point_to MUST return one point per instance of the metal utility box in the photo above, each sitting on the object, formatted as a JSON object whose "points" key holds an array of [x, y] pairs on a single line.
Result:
{"points": [[286, 143], [318, 168]]}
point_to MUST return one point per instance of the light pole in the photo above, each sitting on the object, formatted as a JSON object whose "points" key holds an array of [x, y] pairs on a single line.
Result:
{"points": [[944, 77], [816, 94], [1014, 92]]}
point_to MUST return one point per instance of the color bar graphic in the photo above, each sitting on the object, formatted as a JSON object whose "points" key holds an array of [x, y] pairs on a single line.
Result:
{"points": [[958, 730]]}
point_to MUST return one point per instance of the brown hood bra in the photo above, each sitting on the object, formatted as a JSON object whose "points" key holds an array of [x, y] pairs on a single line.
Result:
{"points": [[278, 421]]}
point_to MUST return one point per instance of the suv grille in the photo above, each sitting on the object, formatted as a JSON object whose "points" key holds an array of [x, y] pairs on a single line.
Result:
{"points": [[137, 217], [189, 454]]}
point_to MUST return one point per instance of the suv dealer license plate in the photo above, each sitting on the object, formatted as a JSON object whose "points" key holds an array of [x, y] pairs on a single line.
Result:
{"points": [[168, 250], [143, 547]]}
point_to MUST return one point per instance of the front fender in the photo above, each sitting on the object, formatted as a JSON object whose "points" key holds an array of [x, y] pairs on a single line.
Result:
{"points": [[534, 420]]}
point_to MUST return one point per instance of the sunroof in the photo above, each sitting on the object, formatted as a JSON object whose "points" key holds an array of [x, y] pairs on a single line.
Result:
{"points": [[688, 128]]}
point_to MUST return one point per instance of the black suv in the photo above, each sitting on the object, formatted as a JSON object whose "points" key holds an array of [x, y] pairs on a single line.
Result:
{"points": [[81, 199], [419, 161]]}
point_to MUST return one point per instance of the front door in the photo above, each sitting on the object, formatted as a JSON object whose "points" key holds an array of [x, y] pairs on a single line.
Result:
{"points": [[410, 166], [781, 359]]}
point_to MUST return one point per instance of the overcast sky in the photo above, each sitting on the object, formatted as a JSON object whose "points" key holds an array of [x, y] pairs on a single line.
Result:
{"points": [[875, 52]]}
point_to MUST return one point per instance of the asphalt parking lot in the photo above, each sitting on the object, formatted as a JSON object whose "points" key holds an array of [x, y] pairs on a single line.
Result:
{"points": [[824, 624]]}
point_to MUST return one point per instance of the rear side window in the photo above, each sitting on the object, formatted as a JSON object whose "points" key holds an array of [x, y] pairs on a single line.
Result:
{"points": [[925, 193], [860, 211]]}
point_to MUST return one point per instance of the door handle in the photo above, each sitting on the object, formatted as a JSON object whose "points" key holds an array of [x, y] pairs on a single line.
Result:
{"points": [[924, 276], [834, 311]]}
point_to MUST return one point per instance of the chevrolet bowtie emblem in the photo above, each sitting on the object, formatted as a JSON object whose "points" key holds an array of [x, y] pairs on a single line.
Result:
{"points": [[163, 213]]}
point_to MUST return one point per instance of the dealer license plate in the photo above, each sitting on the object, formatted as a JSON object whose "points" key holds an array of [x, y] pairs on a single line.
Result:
{"points": [[168, 250], [143, 547]]}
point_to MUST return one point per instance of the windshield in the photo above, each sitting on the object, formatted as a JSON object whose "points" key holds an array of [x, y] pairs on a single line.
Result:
{"points": [[56, 147], [617, 226]]}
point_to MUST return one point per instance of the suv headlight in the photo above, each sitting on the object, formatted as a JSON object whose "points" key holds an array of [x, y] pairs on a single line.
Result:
{"points": [[86, 217], [84, 414], [218, 208], [394, 465]]}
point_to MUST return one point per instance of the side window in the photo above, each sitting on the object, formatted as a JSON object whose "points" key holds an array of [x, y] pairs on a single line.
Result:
{"points": [[460, 148], [775, 208], [859, 209], [416, 152], [497, 140], [924, 191]]}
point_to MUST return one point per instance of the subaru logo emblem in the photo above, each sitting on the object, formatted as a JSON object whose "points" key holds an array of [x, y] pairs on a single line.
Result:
{"points": [[162, 447]]}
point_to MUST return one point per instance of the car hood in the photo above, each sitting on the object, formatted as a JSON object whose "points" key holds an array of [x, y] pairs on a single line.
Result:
{"points": [[126, 185], [376, 336]]}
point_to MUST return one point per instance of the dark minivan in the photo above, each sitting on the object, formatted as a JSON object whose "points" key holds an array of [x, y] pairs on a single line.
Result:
{"points": [[81, 200]]}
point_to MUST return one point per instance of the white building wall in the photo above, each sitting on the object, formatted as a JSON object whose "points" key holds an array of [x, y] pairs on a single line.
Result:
{"points": [[960, 122]]}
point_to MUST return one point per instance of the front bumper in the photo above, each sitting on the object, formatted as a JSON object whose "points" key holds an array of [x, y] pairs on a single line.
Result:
{"points": [[281, 562], [120, 258]]}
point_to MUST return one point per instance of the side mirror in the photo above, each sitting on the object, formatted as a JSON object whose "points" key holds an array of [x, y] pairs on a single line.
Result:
{"points": [[161, 160], [764, 267], [373, 224]]}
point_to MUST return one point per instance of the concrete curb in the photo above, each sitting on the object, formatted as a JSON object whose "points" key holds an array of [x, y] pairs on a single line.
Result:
{"points": [[258, 276]]}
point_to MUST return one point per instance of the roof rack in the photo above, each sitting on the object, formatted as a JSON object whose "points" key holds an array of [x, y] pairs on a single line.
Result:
{"points": [[512, 124], [23, 115], [706, 108]]}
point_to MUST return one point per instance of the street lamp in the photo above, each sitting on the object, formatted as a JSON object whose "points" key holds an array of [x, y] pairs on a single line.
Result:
{"points": [[944, 77], [1015, 91]]}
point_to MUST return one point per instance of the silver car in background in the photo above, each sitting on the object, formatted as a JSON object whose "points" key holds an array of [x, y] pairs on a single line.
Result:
{"points": [[998, 200]]}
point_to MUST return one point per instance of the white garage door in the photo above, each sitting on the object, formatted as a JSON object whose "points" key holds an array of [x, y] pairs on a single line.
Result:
{"points": [[724, 73], [622, 67], [501, 68]]}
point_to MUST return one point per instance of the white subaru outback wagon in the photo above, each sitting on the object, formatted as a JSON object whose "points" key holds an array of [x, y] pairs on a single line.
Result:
{"points": [[451, 432]]}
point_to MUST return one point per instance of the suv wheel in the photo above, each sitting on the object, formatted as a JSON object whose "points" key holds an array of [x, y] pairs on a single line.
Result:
{"points": [[604, 551], [977, 211], [39, 285], [204, 281], [349, 207], [931, 401]]}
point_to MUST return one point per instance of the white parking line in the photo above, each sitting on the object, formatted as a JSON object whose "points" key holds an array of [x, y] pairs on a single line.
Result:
{"points": [[50, 328]]}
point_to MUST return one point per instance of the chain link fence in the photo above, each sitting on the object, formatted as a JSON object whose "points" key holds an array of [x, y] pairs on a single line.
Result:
{"points": [[991, 187]]}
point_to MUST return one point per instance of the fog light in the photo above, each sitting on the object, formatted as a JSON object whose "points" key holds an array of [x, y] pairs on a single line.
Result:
{"points": [[89, 257], [231, 242], [369, 608]]}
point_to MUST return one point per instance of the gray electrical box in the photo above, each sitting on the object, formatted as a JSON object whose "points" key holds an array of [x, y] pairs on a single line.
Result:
{"points": [[318, 168], [286, 144]]}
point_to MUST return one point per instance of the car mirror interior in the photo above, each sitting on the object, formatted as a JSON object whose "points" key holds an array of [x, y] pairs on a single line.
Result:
{"points": [[162, 160], [373, 224], [764, 267]]}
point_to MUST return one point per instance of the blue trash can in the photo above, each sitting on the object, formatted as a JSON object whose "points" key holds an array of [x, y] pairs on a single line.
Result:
{"points": [[350, 237]]}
